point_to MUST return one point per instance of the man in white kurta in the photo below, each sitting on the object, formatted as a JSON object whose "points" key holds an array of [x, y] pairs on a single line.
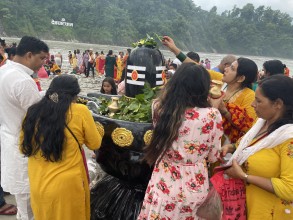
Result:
{"points": [[18, 91]]}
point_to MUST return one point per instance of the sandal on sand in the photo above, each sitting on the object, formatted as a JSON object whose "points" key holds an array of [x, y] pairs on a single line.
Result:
{"points": [[9, 210]]}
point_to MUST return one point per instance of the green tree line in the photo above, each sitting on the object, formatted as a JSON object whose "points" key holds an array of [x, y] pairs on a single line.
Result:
{"points": [[247, 30]]}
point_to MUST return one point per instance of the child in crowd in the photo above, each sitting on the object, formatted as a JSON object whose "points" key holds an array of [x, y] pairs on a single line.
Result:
{"points": [[171, 70], [109, 86], [53, 68]]}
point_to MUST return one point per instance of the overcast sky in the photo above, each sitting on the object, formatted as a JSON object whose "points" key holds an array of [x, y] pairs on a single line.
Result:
{"points": [[222, 5]]}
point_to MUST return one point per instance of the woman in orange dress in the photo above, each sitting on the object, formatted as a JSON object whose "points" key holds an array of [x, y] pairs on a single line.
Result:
{"points": [[101, 61]]}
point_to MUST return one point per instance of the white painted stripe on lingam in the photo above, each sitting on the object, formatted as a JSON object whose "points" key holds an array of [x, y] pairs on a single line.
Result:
{"points": [[140, 68], [158, 83], [141, 76], [158, 75], [158, 68], [133, 82]]}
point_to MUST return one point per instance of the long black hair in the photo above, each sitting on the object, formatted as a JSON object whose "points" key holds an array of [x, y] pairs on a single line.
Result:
{"points": [[188, 88], [248, 68], [44, 124], [279, 87]]}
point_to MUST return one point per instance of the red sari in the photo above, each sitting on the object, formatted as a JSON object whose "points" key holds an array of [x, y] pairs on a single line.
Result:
{"points": [[101, 65]]}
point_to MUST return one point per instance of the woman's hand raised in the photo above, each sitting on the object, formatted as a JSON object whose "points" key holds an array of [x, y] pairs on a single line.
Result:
{"points": [[169, 42]]}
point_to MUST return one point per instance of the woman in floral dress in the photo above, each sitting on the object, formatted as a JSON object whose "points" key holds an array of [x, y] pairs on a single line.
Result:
{"points": [[187, 132]]}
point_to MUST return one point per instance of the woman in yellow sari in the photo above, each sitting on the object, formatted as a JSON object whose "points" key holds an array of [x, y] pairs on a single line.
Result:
{"points": [[119, 62], [235, 106]]}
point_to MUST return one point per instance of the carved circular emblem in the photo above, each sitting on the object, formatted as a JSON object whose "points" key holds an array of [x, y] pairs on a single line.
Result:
{"points": [[148, 137], [122, 137], [134, 75], [100, 128]]}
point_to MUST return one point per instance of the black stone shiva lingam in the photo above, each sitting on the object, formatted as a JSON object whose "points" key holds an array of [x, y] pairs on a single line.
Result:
{"points": [[120, 193]]}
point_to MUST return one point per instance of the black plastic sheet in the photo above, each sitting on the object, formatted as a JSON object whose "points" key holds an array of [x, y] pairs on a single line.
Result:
{"points": [[115, 199]]}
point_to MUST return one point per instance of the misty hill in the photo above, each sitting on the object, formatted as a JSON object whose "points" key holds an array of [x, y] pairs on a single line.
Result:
{"points": [[247, 30]]}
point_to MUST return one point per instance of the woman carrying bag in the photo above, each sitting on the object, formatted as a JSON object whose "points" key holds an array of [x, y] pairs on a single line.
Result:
{"points": [[53, 132], [266, 152]]}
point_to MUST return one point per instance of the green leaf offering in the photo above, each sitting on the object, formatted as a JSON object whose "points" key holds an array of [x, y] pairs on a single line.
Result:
{"points": [[160, 38], [148, 41], [136, 109]]}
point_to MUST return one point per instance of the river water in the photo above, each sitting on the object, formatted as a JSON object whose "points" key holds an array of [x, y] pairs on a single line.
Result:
{"points": [[215, 58]]}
